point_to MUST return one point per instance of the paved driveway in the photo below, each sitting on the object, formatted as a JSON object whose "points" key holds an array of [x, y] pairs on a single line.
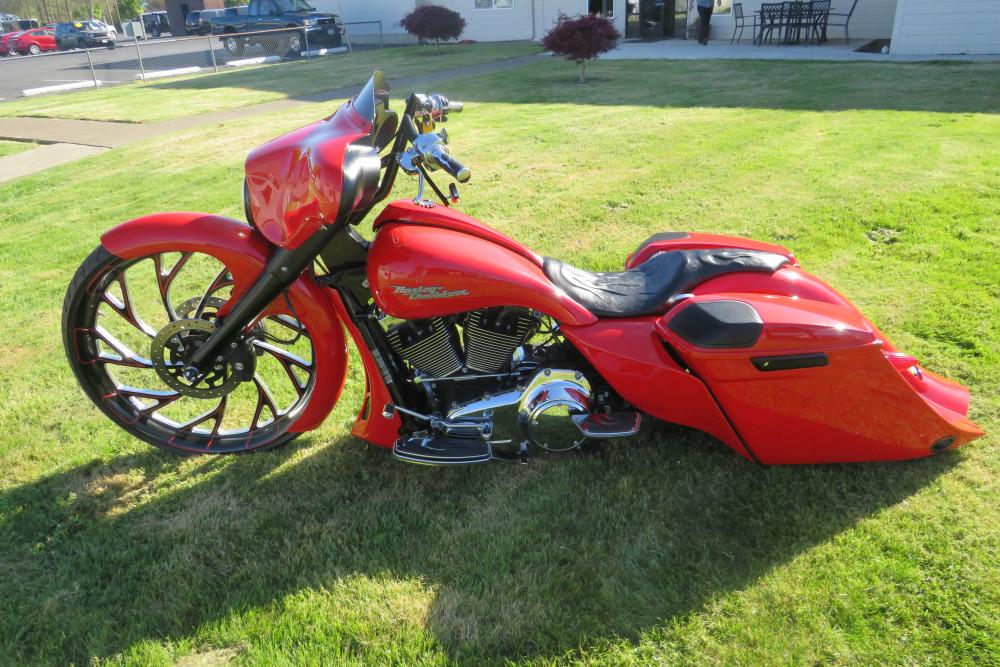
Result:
{"points": [[689, 49]]}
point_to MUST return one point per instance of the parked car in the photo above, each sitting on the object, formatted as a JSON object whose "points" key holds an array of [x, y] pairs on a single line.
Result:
{"points": [[33, 41], [5, 48], [113, 31], [156, 24], [83, 35], [200, 22], [318, 29], [18, 25]]}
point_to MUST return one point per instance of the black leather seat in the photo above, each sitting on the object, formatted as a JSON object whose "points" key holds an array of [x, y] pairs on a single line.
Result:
{"points": [[646, 289]]}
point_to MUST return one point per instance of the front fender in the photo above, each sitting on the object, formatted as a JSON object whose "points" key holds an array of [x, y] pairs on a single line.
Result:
{"points": [[244, 252]]}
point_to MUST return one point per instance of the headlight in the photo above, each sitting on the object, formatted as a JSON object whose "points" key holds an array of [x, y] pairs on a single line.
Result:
{"points": [[308, 22]]}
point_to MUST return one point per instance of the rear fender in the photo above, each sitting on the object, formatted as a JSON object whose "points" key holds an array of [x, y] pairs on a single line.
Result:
{"points": [[244, 252]]}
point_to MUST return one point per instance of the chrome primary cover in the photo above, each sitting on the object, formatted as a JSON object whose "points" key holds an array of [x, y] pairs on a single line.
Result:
{"points": [[540, 412], [544, 414]]}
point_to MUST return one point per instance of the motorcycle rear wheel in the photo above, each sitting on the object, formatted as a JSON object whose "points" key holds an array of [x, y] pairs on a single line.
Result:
{"points": [[109, 332]]}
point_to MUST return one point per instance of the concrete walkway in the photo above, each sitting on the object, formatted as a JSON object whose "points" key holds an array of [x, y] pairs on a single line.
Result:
{"points": [[43, 157], [689, 49], [67, 140]]}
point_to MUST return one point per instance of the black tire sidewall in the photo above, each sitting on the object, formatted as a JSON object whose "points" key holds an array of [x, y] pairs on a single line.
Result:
{"points": [[87, 275]]}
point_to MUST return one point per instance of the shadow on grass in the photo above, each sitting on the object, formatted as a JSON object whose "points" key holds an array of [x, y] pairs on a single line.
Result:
{"points": [[324, 79], [526, 560]]}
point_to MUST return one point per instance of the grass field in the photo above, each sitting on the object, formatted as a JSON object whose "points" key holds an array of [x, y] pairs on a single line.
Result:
{"points": [[667, 550], [204, 93], [14, 147]]}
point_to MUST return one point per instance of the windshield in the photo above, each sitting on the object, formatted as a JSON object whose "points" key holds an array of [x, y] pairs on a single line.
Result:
{"points": [[373, 98], [372, 104], [294, 6]]}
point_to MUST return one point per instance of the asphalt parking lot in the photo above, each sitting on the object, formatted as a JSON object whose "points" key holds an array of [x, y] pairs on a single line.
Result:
{"points": [[19, 73], [118, 65]]}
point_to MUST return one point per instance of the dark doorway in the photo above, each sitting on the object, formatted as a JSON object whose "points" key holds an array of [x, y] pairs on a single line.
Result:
{"points": [[654, 19]]}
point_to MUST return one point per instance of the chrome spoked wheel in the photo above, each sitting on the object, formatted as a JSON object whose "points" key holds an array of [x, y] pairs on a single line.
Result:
{"points": [[129, 327]]}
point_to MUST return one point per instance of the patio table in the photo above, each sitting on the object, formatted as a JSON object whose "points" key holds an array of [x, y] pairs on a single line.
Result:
{"points": [[791, 19]]}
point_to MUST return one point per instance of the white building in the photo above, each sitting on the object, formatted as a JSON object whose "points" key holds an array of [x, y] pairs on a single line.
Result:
{"points": [[915, 27]]}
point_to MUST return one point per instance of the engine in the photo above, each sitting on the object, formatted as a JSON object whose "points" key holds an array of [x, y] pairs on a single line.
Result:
{"points": [[484, 378], [490, 336], [493, 335], [430, 346]]}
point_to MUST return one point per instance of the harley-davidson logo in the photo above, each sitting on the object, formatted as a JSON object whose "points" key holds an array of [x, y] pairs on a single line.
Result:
{"points": [[423, 292]]}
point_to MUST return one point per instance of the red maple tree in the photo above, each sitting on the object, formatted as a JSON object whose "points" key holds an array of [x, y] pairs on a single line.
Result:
{"points": [[581, 39], [434, 22]]}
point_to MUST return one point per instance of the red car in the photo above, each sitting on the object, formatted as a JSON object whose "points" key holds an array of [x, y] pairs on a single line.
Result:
{"points": [[34, 41], [5, 48]]}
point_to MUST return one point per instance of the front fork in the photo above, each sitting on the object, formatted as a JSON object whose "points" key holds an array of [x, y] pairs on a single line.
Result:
{"points": [[283, 268]]}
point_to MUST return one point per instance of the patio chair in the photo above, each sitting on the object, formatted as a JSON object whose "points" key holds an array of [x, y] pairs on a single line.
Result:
{"points": [[740, 23], [820, 15], [772, 17], [796, 18], [841, 20]]}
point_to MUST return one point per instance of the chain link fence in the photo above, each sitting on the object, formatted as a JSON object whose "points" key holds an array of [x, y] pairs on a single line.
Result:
{"points": [[140, 60]]}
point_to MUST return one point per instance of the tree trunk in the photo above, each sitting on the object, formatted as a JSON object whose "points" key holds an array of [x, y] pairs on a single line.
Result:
{"points": [[437, 46], [583, 71]]}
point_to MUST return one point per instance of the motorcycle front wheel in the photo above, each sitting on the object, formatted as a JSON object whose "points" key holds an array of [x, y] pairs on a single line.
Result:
{"points": [[128, 326]]}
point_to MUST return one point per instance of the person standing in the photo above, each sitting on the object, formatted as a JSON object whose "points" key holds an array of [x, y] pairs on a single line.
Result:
{"points": [[704, 18]]}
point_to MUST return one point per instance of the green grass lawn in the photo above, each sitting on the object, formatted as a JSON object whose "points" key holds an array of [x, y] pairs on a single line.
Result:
{"points": [[15, 147], [665, 550], [234, 89]]}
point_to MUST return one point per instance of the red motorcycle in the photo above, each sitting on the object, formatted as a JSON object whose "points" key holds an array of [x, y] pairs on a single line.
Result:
{"points": [[203, 334]]}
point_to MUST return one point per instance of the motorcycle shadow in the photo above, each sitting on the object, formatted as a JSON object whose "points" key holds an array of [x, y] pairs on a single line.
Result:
{"points": [[500, 561]]}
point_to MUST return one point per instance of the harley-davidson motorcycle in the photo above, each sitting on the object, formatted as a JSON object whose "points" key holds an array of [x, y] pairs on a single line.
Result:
{"points": [[204, 334]]}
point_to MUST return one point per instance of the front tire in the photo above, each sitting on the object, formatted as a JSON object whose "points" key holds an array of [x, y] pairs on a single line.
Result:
{"points": [[232, 44], [294, 44], [110, 321], [34, 49]]}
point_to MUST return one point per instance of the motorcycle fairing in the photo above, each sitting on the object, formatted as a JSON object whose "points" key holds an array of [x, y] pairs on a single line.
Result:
{"points": [[244, 252], [302, 180], [817, 384]]}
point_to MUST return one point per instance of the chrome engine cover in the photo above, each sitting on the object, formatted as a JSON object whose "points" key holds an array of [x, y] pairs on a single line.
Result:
{"points": [[546, 408], [540, 412]]}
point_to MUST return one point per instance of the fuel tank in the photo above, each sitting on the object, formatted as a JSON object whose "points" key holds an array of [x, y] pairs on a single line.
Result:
{"points": [[435, 262]]}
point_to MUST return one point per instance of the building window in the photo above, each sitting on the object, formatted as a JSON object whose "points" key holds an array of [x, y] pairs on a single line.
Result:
{"points": [[605, 8], [494, 4]]}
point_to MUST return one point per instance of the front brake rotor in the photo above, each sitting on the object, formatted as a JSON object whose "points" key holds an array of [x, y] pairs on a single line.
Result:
{"points": [[174, 344]]}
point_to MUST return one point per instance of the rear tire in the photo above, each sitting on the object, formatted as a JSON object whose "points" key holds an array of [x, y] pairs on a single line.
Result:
{"points": [[34, 49]]}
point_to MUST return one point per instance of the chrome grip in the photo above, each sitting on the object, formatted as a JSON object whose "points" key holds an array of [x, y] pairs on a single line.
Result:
{"points": [[443, 158]]}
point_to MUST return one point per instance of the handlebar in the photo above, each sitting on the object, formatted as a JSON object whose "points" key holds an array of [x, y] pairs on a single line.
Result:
{"points": [[437, 104], [431, 145]]}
